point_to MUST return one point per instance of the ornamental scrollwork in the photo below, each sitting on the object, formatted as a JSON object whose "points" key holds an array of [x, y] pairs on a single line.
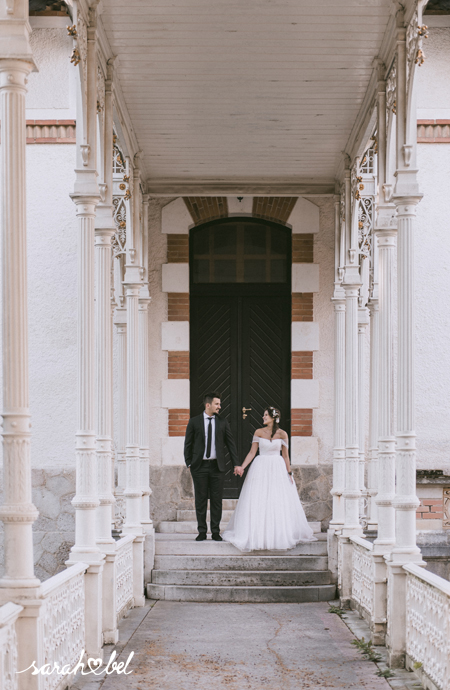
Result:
{"points": [[391, 90], [118, 159], [414, 36], [124, 582], [365, 225], [119, 239]]}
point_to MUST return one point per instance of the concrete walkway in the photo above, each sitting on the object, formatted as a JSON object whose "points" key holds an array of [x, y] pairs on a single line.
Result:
{"points": [[194, 646]]}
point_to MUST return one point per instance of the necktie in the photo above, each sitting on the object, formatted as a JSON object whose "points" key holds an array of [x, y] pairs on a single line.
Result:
{"points": [[208, 443]]}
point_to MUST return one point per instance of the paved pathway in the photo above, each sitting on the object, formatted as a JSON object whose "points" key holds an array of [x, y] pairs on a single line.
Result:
{"points": [[192, 646]]}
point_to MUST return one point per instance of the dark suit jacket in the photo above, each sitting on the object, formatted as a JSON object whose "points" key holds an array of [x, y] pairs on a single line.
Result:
{"points": [[194, 444]]}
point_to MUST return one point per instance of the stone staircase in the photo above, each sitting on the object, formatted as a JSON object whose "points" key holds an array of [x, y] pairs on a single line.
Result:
{"points": [[209, 571]]}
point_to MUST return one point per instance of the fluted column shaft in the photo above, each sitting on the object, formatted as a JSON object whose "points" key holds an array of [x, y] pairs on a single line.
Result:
{"points": [[144, 450], [406, 501], [17, 512], [362, 328], [104, 382], [372, 474], [121, 330], [386, 441], [337, 491], [352, 493]]}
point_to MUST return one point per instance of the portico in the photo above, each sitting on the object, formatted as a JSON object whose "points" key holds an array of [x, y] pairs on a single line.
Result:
{"points": [[265, 158]]}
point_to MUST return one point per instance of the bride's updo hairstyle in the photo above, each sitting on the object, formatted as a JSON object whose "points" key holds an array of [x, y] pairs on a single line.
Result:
{"points": [[275, 414]]}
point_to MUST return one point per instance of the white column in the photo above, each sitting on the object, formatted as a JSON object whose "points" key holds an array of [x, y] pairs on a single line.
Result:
{"points": [[338, 300], [363, 322], [120, 322], [386, 239], [339, 413], [144, 438], [17, 513], [104, 231], [133, 486], [372, 474], [86, 501]]}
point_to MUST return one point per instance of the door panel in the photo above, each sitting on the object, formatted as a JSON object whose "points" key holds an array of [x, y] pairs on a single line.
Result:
{"points": [[240, 346]]}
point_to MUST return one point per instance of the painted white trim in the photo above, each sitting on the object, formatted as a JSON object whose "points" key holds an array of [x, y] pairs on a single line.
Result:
{"points": [[175, 394], [304, 394], [305, 277], [172, 451], [175, 277], [304, 450], [175, 218], [175, 336], [304, 217], [305, 336]]}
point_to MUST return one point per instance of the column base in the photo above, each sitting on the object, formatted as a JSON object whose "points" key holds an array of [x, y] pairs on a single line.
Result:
{"points": [[345, 562], [333, 550], [29, 644]]}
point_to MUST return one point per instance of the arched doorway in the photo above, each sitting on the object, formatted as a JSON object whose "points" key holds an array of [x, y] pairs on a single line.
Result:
{"points": [[240, 323]]}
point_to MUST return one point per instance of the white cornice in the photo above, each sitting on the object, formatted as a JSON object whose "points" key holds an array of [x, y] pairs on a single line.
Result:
{"points": [[174, 188]]}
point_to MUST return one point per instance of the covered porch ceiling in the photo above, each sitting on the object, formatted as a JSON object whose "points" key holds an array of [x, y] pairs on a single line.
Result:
{"points": [[257, 96]]}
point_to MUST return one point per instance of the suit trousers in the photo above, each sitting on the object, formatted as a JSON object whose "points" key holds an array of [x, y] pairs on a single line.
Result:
{"points": [[208, 483]]}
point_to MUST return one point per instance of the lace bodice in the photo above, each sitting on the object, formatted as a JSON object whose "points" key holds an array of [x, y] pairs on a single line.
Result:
{"points": [[269, 447]]}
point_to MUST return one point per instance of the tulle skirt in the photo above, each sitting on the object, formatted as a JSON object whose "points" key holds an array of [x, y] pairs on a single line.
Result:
{"points": [[268, 515]]}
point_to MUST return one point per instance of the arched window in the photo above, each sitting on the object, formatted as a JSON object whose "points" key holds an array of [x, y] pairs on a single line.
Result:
{"points": [[240, 251]]}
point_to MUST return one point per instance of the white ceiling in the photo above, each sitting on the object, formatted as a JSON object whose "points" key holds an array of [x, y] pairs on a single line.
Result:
{"points": [[244, 90]]}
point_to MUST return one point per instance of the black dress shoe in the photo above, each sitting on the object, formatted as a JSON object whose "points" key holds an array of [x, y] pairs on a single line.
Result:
{"points": [[201, 537], [216, 537]]}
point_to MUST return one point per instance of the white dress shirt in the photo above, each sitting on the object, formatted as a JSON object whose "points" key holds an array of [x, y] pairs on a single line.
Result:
{"points": [[213, 436]]}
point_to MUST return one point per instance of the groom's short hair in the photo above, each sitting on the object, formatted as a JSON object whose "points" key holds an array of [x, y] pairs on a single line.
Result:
{"points": [[209, 397]]}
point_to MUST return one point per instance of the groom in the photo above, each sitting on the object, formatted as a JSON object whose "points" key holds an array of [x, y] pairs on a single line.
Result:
{"points": [[204, 453]]}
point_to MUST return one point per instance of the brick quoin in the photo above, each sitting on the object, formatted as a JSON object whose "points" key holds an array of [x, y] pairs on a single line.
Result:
{"points": [[177, 249], [277, 208], [303, 249], [178, 365], [430, 509], [302, 365], [301, 422], [203, 208], [178, 306], [178, 420], [302, 306]]}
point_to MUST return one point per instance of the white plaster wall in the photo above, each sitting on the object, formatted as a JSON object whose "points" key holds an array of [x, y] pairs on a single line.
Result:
{"points": [[52, 90], [324, 316], [52, 305], [52, 302], [433, 77], [432, 262]]}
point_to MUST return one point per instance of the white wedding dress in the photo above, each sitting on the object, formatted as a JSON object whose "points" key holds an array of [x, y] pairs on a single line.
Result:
{"points": [[268, 514]]}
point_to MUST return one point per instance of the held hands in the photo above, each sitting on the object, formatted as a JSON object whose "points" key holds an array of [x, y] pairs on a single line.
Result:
{"points": [[238, 470]]}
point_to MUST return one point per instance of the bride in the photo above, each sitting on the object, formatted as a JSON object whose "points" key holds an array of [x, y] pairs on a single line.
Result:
{"points": [[268, 515]]}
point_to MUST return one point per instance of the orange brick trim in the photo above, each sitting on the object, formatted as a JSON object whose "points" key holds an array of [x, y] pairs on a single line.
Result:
{"points": [[302, 365], [301, 422], [274, 207], [178, 249], [178, 365], [50, 131], [430, 509], [302, 306], [433, 131], [178, 306], [178, 420], [303, 249], [203, 208]]}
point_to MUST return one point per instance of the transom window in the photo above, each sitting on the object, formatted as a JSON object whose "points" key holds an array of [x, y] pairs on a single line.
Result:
{"points": [[240, 252]]}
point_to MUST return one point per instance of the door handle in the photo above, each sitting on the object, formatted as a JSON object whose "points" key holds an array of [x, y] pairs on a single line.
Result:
{"points": [[244, 410]]}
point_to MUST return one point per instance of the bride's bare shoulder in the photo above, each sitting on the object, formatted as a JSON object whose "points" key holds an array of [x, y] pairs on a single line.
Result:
{"points": [[259, 432], [282, 434]]}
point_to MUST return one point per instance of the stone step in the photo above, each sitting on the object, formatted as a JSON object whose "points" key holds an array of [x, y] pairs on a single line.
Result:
{"points": [[190, 547], [186, 526], [240, 562], [191, 516], [242, 578], [242, 594]]}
